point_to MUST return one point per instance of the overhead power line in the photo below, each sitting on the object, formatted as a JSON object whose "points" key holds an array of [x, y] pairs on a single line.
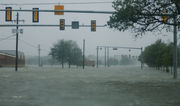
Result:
{"points": [[6, 38], [27, 43], [70, 3], [31, 45]]}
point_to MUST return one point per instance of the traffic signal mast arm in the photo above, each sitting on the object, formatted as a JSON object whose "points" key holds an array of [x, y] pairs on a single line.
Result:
{"points": [[119, 47], [70, 11], [44, 25]]}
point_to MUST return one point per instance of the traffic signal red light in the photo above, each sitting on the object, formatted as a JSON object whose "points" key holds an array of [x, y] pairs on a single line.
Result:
{"points": [[8, 14], [62, 24], [164, 18], [35, 15], [93, 25]]}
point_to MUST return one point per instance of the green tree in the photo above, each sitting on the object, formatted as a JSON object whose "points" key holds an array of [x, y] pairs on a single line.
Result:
{"points": [[159, 55], [141, 16], [153, 54], [66, 52], [167, 57]]}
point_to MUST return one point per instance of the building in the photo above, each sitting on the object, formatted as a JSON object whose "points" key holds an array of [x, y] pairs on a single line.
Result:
{"points": [[8, 58]]}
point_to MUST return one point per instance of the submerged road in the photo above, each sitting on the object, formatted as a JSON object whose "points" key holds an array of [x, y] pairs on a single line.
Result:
{"points": [[115, 86]]}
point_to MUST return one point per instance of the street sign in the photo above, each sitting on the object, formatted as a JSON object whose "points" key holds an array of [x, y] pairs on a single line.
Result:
{"points": [[21, 31], [17, 31], [62, 24], [14, 30], [114, 48], [75, 24], [8, 14], [59, 7], [93, 25], [35, 15]]}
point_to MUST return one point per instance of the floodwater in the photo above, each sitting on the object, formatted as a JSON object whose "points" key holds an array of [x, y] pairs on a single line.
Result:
{"points": [[114, 86]]}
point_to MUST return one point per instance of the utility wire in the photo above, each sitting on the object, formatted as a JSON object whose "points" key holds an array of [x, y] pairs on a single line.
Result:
{"points": [[72, 3], [33, 46], [6, 38]]}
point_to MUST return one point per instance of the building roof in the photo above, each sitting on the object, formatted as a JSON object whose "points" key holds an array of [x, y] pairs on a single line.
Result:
{"points": [[11, 52]]}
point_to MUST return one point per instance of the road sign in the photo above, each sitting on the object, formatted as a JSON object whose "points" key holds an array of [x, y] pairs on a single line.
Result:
{"points": [[114, 48], [21, 31], [62, 24], [8, 14], [75, 24], [59, 7], [93, 25], [35, 15], [17, 31]]}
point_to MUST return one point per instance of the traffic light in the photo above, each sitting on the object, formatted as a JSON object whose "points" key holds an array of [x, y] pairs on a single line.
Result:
{"points": [[93, 25], [8, 13], [59, 7], [62, 24], [164, 18], [35, 15]]}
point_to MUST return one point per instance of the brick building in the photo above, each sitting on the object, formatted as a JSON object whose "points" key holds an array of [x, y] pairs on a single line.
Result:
{"points": [[8, 57]]}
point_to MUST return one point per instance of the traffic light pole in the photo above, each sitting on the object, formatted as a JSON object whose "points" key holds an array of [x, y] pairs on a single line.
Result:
{"points": [[39, 55], [108, 56], [175, 48], [105, 56], [97, 57], [106, 53], [83, 53], [17, 35], [141, 58]]}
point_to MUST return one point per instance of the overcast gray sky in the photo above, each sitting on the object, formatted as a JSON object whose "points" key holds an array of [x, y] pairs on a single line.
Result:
{"points": [[46, 37]]}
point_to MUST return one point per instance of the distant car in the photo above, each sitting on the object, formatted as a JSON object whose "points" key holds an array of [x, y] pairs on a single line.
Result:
{"points": [[90, 63]]}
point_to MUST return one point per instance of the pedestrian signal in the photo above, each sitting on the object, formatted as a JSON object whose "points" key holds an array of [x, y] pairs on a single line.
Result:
{"points": [[8, 13], [35, 15], [62, 24]]}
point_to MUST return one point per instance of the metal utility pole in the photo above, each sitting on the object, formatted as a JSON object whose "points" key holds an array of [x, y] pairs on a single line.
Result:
{"points": [[108, 56], [39, 55], [105, 56], [175, 48], [17, 34], [62, 61], [141, 58], [97, 57], [83, 53]]}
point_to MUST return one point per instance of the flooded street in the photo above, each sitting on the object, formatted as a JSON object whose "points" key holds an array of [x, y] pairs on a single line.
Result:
{"points": [[114, 86]]}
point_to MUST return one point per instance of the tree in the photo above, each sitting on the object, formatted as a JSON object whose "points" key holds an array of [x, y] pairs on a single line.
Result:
{"points": [[153, 54], [159, 55], [144, 15], [147, 15], [67, 52]]}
